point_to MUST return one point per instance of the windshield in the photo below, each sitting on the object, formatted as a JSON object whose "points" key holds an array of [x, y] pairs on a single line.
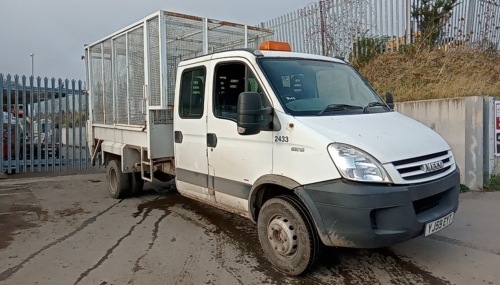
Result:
{"points": [[312, 87]]}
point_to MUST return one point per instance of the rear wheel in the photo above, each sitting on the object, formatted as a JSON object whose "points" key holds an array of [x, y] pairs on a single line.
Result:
{"points": [[136, 183], [287, 235], [117, 180]]}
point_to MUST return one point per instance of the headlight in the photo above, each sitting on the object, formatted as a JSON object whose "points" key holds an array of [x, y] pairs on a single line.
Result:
{"points": [[355, 164]]}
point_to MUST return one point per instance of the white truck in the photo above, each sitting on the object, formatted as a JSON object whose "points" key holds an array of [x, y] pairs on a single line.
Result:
{"points": [[298, 143]]}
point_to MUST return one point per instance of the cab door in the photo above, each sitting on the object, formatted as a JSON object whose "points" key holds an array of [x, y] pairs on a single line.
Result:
{"points": [[235, 161], [190, 129]]}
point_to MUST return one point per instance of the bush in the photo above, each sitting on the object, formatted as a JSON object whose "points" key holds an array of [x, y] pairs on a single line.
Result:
{"points": [[494, 184], [432, 16], [367, 48]]}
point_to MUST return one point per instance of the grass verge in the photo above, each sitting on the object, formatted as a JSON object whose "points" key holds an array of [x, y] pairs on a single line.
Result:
{"points": [[424, 75]]}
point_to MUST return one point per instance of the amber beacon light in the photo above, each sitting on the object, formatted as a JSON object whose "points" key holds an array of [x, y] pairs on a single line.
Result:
{"points": [[276, 46]]}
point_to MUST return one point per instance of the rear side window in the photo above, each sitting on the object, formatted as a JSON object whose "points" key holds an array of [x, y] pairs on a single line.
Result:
{"points": [[192, 93]]}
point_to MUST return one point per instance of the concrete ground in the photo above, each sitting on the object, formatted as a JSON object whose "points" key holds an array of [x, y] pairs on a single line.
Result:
{"points": [[66, 230]]}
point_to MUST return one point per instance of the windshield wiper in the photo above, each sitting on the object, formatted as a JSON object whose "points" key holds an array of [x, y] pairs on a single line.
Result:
{"points": [[374, 104], [338, 107]]}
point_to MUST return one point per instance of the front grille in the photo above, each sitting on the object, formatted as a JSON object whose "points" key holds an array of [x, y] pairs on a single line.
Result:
{"points": [[414, 168], [425, 204]]}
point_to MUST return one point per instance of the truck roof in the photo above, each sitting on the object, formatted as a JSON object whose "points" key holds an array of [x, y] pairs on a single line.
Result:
{"points": [[253, 53]]}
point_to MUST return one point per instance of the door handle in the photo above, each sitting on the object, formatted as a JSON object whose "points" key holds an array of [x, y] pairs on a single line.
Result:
{"points": [[211, 140], [178, 136]]}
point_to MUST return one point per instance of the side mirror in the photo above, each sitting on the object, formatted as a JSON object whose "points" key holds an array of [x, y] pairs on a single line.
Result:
{"points": [[389, 99], [250, 113]]}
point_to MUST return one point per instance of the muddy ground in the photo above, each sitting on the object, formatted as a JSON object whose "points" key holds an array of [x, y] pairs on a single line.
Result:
{"points": [[66, 230]]}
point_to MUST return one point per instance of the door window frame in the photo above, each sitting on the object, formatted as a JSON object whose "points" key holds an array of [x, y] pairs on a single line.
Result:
{"points": [[201, 90]]}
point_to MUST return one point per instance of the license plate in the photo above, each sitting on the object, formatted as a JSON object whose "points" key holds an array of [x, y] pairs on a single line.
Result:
{"points": [[437, 225]]}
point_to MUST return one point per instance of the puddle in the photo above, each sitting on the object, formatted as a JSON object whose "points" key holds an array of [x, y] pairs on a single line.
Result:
{"points": [[20, 219], [19, 210]]}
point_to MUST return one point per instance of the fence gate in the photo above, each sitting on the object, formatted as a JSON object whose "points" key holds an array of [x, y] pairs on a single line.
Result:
{"points": [[43, 126]]}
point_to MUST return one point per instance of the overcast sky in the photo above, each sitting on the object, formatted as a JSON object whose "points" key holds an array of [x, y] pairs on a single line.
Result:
{"points": [[56, 30]]}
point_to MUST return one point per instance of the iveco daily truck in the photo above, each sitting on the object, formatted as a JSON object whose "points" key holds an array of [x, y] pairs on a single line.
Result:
{"points": [[298, 143]]}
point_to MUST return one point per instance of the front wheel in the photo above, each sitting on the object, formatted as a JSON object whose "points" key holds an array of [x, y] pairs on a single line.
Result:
{"points": [[287, 235]]}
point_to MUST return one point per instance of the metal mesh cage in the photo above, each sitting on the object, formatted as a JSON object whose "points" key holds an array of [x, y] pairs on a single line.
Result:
{"points": [[184, 40], [117, 75], [184, 36], [96, 83], [161, 117], [136, 107], [172, 63], [154, 62], [108, 83], [226, 37], [120, 67]]}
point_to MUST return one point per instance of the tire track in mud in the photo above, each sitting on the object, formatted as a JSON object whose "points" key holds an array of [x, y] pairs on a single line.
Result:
{"points": [[145, 214], [372, 266], [463, 244], [187, 267], [186, 272], [229, 228], [171, 200], [220, 242], [12, 270], [335, 265], [154, 237]]}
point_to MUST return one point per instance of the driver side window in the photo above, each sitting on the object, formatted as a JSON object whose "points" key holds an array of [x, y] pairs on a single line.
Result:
{"points": [[231, 79]]}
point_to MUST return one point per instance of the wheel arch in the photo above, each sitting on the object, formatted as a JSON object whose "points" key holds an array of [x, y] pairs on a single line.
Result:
{"points": [[261, 191], [269, 186], [128, 156]]}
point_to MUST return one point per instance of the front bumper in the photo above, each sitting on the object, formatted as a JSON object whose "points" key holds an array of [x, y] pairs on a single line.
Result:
{"points": [[364, 215]]}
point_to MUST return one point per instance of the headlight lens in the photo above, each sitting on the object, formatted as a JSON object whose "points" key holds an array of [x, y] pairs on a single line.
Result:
{"points": [[355, 164]]}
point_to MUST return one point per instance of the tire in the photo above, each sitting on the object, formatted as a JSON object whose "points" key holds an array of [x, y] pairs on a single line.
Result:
{"points": [[287, 235], [118, 182], [136, 183]]}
